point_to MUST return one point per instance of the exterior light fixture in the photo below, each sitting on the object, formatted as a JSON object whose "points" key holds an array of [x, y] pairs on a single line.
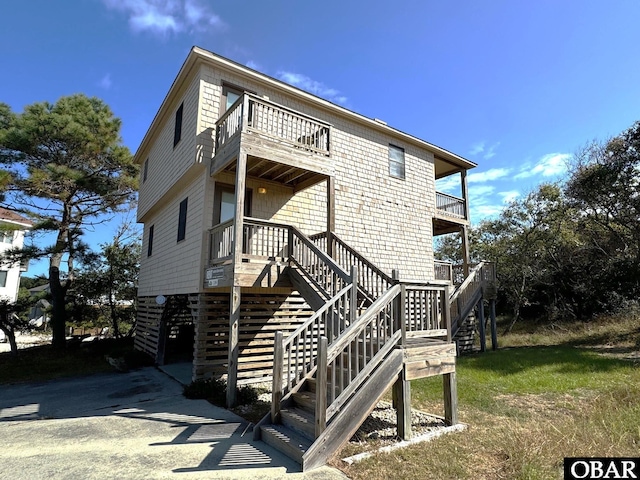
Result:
{"points": [[262, 190]]}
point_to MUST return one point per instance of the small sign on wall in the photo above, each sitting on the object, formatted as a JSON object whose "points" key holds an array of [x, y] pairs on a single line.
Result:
{"points": [[213, 275]]}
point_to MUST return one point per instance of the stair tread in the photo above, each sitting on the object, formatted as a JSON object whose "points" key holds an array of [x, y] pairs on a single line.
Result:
{"points": [[300, 420], [305, 400], [286, 440], [311, 385]]}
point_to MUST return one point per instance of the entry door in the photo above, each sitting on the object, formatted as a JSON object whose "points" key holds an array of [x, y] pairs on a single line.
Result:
{"points": [[225, 203]]}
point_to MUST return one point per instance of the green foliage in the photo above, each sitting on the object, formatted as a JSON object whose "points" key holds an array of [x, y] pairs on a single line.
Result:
{"points": [[107, 285], [569, 251], [64, 167]]}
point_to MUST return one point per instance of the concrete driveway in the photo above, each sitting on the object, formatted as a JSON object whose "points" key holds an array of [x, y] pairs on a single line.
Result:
{"points": [[129, 426]]}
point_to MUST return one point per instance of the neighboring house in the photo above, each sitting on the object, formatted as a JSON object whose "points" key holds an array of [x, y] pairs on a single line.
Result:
{"points": [[289, 239], [13, 228]]}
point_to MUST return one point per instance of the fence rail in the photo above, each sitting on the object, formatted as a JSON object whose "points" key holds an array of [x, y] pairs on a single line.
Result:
{"points": [[450, 205], [251, 113]]}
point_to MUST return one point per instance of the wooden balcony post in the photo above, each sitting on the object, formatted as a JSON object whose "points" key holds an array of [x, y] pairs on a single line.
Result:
{"points": [[464, 235], [465, 193], [278, 367], [402, 400], [494, 328], [353, 300], [235, 298], [483, 333], [321, 387], [446, 311], [450, 398], [331, 215]]}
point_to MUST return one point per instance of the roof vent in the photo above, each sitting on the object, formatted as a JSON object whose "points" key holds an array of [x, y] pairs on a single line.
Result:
{"points": [[379, 121]]}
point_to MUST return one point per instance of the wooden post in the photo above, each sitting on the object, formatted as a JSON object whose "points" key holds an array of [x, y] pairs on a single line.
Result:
{"points": [[483, 333], [321, 387], [450, 398], [465, 192], [446, 312], [353, 300], [331, 214], [236, 298], [278, 367], [402, 396], [494, 328], [464, 234]]}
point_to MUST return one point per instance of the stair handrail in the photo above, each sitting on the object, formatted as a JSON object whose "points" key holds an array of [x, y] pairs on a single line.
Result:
{"points": [[384, 322], [328, 321], [371, 279], [301, 257], [467, 294]]}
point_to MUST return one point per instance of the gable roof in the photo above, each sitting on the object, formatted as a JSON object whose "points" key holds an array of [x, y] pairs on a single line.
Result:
{"points": [[452, 162], [12, 217]]}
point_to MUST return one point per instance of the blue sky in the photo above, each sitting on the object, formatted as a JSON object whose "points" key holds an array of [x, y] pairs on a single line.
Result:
{"points": [[516, 87]]}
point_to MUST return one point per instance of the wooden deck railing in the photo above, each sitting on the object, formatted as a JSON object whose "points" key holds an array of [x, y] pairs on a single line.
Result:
{"points": [[451, 206], [221, 241], [427, 312], [265, 239], [443, 270], [321, 268], [251, 113], [295, 357], [464, 298], [372, 281]]}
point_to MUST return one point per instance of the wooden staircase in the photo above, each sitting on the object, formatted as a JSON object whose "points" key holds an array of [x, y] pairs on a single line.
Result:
{"points": [[466, 300], [369, 333]]}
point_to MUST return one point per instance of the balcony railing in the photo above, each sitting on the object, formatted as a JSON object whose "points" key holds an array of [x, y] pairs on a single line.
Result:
{"points": [[251, 113], [260, 238], [451, 206]]}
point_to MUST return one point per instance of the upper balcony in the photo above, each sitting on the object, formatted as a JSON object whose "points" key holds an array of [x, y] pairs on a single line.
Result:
{"points": [[283, 145], [451, 214]]}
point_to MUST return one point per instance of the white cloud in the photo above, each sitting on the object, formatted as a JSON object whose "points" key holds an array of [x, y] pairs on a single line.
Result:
{"points": [[253, 65], [448, 184], [491, 152], [167, 16], [312, 86], [105, 82], [477, 148], [481, 212], [479, 193], [481, 147], [487, 176], [482, 202], [509, 196], [550, 165]]}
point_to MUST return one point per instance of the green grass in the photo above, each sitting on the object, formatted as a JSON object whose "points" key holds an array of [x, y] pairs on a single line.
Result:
{"points": [[569, 390]]}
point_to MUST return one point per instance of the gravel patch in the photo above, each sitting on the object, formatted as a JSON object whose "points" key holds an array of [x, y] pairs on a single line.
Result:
{"points": [[380, 427]]}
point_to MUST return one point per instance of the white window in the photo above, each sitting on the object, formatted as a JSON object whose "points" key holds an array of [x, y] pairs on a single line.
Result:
{"points": [[6, 236], [396, 161]]}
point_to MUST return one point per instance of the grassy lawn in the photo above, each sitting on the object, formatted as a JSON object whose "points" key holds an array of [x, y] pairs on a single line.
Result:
{"points": [[556, 392]]}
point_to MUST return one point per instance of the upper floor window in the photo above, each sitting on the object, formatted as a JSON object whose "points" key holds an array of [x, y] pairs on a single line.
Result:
{"points": [[396, 161], [177, 133], [145, 170], [3, 278], [229, 96], [182, 219], [6, 236], [150, 242]]}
